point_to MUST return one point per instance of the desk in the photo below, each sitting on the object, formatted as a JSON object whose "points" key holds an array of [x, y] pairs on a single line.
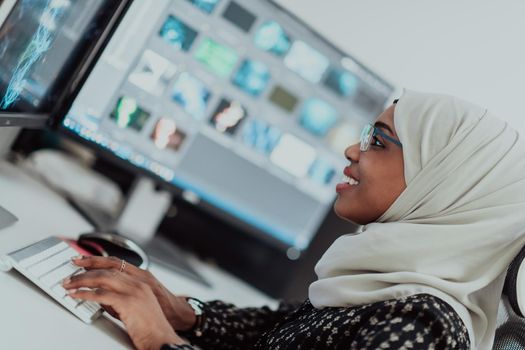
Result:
{"points": [[29, 319]]}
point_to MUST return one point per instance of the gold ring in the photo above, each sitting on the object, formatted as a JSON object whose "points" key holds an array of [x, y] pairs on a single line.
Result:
{"points": [[122, 265]]}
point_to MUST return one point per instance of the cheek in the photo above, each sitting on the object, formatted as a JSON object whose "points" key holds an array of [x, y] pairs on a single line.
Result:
{"points": [[388, 183], [380, 182]]}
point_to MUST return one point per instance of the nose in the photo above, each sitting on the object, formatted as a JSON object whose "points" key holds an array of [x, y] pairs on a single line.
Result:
{"points": [[352, 153]]}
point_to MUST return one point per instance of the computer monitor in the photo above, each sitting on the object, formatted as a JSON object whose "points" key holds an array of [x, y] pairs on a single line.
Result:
{"points": [[45, 47], [237, 103]]}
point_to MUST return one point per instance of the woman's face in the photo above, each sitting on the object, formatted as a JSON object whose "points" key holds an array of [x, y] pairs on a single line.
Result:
{"points": [[380, 172]]}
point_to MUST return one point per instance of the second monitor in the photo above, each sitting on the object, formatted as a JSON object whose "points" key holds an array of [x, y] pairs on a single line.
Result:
{"points": [[239, 103]]}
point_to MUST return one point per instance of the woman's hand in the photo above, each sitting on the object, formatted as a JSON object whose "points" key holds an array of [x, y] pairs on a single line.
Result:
{"points": [[131, 300], [176, 309]]}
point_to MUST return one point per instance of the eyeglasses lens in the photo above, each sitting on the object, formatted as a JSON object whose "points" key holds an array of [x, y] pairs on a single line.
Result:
{"points": [[366, 137]]}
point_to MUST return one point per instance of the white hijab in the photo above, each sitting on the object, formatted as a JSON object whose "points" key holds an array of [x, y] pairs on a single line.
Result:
{"points": [[453, 231]]}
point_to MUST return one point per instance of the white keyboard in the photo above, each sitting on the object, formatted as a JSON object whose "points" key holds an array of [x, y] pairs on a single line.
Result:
{"points": [[47, 263]]}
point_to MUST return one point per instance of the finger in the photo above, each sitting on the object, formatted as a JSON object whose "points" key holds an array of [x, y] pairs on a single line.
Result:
{"points": [[100, 296], [106, 279], [98, 262]]}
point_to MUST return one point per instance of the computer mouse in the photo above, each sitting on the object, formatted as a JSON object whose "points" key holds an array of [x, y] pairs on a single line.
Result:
{"points": [[111, 244]]}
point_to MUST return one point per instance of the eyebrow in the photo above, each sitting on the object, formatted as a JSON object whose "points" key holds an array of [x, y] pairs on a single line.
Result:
{"points": [[384, 126]]}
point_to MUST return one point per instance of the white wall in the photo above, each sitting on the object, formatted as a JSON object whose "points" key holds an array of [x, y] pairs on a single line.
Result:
{"points": [[474, 49]]}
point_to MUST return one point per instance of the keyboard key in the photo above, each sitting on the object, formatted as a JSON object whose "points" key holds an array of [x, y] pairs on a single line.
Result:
{"points": [[92, 306], [59, 291], [47, 263], [59, 274], [70, 301], [85, 314], [34, 249], [51, 263], [42, 255]]}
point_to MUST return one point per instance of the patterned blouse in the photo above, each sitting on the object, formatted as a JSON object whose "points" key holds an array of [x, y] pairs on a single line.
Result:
{"points": [[420, 321]]}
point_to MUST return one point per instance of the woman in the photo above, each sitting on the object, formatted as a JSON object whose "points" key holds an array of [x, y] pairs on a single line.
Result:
{"points": [[439, 185]]}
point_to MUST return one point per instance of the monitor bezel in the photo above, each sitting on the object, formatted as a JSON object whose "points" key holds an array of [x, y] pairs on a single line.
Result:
{"points": [[25, 120], [174, 189], [18, 119], [71, 85], [80, 76]]}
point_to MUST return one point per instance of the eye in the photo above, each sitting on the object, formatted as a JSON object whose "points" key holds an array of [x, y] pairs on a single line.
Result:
{"points": [[376, 142]]}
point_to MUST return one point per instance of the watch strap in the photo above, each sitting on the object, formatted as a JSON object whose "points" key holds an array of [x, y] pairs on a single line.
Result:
{"points": [[198, 308]]}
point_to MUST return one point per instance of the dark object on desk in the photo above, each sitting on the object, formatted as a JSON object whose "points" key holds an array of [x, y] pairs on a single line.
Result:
{"points": [[167, 254], [109, 244], [160, 250], [6, 218]]}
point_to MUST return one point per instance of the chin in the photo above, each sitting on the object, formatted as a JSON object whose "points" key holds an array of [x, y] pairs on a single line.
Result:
{"points": [[345, 214], [349, 214]]}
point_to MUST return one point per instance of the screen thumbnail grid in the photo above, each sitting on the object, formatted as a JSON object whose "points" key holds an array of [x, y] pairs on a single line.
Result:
{"points": [[254, 84]]}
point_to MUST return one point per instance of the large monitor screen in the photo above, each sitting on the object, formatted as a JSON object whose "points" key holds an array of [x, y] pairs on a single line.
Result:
{"points": [[42, 42], [236, 102]]}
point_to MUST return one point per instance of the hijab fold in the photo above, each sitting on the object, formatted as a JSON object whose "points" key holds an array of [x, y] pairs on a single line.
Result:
{"points": [[455, 228]]}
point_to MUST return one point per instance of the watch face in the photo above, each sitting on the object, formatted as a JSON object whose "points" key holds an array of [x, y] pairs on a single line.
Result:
{"points": [[196, 305]]}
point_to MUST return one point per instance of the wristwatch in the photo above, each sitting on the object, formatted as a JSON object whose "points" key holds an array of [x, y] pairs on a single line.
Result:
{"points": [[169, 347], [176, 347], [198, 309]]}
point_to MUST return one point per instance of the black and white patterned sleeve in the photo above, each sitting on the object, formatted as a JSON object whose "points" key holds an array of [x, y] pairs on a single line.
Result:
{"points": [[226, 326], [415, 323]]}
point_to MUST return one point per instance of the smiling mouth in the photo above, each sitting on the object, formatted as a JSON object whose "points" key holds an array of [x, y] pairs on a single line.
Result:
{"points": [[349, 180]]}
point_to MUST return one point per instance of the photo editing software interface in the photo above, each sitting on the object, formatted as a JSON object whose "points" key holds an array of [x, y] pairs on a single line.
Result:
{"points": [[237, 102], [37, 41]]}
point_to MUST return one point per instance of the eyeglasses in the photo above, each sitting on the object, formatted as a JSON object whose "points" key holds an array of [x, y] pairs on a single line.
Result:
{"points": [[369, 133]]}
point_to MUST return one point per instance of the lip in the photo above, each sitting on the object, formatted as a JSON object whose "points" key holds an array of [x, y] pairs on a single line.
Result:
{"points": [[348, 172], [342, 187]]}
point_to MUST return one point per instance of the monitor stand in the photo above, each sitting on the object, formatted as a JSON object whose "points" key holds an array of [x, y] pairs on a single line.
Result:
{"points": [[6, 218], [163, 252]]}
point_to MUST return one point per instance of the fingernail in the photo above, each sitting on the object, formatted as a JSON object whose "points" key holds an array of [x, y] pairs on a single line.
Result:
{"points": [[78, 257], [72, 291], [66, 281]]}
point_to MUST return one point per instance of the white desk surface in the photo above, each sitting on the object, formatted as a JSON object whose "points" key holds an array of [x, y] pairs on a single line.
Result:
{"points": [[29, 319]]}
